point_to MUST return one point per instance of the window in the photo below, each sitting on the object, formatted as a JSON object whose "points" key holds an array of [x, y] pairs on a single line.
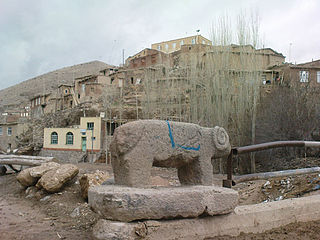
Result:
{"points": [[66, 91], [193, 41], [112, 79], [167, 47], [159, 47], [9, 131], [78, 95], [90, 125], [54, 138], [0, 131], [318, 77], [69, 138], [92, 89], [174, 45], [203, 42], [181, 43], [83, 87], [131, 80], [304, 76]]}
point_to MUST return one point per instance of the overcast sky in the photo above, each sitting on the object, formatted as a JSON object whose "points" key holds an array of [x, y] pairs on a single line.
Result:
{"points": [[38, 36]]}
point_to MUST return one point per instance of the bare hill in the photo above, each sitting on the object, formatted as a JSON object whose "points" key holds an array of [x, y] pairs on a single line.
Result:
{"points": [[46, 83]]}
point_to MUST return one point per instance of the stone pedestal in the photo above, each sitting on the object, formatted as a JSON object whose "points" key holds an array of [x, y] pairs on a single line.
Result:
{"points": [[244, 219], [126, 204]]}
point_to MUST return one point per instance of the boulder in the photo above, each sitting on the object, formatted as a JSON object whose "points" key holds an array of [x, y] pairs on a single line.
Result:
{"points": [[92, 179], [38, 172], [25, 179], [53, 180]]}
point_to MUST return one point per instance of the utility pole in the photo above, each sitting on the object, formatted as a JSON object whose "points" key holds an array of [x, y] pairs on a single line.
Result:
{"points": [[92, 138], [123, 57]]}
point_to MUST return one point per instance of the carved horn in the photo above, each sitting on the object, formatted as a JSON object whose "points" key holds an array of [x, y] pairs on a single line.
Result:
{"points": [[221, 139]]}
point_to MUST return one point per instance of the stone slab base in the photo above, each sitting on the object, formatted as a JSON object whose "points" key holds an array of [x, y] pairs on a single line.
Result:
{"points": [[127, 204], [249, 218]]}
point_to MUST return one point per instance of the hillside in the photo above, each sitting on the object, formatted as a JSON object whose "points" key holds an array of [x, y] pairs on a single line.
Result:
{"points": [[22, 92]]}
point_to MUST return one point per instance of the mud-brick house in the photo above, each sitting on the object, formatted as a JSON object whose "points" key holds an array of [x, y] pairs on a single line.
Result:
{"points": [[11, 126], [73, 143], [304, 73], [65, 97], [148, 57], [89, 88], [38, 104], [176, 44]]}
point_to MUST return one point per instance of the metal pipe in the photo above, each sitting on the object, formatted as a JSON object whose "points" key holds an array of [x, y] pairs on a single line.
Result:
{"points": [[269, 145], [259, 147], [266, 175]]}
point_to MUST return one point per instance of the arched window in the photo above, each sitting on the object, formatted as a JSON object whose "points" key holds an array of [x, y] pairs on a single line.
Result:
{"points": [[69, 138], [54, 138]]}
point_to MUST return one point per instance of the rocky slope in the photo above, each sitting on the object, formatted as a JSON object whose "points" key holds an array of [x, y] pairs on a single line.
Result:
{"points": [[22, 92]]}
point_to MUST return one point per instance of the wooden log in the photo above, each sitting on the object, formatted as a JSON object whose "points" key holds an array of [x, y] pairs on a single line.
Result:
{"points": [[4, 156], [25, 160]]}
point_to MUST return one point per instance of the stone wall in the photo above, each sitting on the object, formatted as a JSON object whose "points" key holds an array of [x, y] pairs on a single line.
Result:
{"points": [[64, 156]]}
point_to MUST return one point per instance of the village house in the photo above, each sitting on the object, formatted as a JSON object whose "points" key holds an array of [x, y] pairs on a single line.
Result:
{"points": [[148, 57], [11, 126], [66, 97], [176, 44], [304, 73], [38, 104], [70, 144], [89, 88]]}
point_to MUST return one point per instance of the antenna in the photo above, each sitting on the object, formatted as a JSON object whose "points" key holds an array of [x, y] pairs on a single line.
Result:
{"points": [[122, 57]]}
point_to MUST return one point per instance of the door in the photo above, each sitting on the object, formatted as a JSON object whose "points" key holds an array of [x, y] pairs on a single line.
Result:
{"points": [[84, 144]]}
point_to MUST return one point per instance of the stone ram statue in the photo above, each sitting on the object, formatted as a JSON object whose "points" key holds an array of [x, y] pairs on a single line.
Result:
{"points": [[139, 145]]}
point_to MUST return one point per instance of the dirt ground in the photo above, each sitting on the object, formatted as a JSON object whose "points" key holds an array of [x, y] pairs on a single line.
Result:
{"points": [[30, 214]]}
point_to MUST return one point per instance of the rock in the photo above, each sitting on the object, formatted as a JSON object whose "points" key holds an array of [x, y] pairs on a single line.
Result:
{"points": [[139, 145], [43, 168], [40, 194], [91, 179], [279, 198], [267, 183], [159, 181], [3, 170], [27, 150], [31, 191], [53, 180], [45, 199], [25, 179], [105, 229], [121, 203], [110, 181], [75, 212]]}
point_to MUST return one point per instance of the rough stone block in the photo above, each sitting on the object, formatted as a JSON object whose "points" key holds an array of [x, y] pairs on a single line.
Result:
{"points": [[128, 204], [53, 180], [25, 179], [37, 172], [139, 145], [90, 180]]}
